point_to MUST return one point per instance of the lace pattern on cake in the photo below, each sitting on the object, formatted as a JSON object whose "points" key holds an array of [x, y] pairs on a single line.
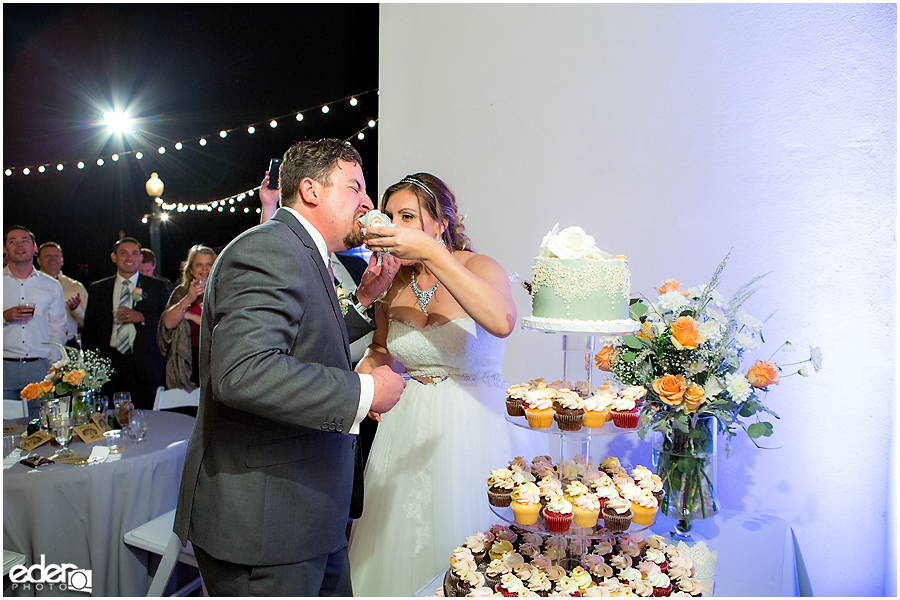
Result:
{"points": [[579, 283]]}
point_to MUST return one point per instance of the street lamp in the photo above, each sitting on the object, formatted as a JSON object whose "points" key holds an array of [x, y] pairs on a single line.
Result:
{"points": [[154, 187]]}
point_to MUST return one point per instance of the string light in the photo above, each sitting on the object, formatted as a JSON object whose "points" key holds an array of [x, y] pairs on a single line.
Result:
{"points": [[251, 130], [99, 162], [115, 157], [123, 124]]}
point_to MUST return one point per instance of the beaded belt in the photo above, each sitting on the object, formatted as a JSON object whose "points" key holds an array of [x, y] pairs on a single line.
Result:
{"points": [[436, 379]]}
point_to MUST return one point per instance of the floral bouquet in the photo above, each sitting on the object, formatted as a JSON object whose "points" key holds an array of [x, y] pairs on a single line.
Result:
{"points": [[78, 371], [687, 354]]}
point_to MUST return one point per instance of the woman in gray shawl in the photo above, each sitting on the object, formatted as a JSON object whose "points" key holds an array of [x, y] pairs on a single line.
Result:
{"points": [[179, 328]]}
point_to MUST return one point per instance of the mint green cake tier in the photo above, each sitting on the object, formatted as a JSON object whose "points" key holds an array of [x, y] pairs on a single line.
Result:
{"points": [[580, 289]]}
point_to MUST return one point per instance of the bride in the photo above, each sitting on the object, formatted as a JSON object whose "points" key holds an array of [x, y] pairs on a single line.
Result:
{"points": [[443, 319]]}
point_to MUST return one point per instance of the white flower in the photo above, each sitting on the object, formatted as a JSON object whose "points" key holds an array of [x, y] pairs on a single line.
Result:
{"points": [[375, 218], [713, 313], [544, 252], [815, 355], [738, 386], [803, 371], [694, 292], [711, 330], [572, 242], [745, 341], [671, 301], [698, 366], [787, 347], [752, 324], [717, 298]]}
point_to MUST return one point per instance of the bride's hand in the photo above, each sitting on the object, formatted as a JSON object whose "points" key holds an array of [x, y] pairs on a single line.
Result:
{"points": [[405, 243]]}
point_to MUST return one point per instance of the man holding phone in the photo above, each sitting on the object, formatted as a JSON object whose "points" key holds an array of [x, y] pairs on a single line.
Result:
{"points": [[34, 313]]}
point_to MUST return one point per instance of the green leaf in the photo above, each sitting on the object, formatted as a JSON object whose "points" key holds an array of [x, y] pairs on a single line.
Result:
{"points": [[637, 309], [760, 430], [687, 464], [748, 410], [62, 388], [629, 356], [632, 342]]}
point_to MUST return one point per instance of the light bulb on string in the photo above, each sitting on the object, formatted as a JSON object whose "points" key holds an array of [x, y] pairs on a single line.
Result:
{"points": [[325, 109], [8, 172], [231, 209], [251, 130], [353, 101], [273, 123], [371, 123], [41, 169], [202, 141], [360, 136], [162, 150], [164, 216], [223, 134], [246, 209], [80, 165], [115, 157], [26, 171], [99, 162], [178, 145], [299, 117], [144, 219], [59, 167], [137, 155]]}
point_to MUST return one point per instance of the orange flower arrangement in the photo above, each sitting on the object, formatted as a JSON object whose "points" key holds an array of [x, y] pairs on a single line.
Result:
{"points": [[602, 358], [668, 285], [74, 378], [686, 333], [40, 389], [670, 389]]}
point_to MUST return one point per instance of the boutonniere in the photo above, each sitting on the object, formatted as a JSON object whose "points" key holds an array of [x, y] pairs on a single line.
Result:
{"points": [[137, 295], [343, 298]]}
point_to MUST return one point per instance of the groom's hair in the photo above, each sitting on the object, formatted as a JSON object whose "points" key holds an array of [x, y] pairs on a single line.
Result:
{"points": [[315, 160]]}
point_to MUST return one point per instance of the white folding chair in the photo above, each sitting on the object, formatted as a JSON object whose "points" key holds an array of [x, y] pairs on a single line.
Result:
{"points": [[15, 409], [157, 537], [175, 398]]}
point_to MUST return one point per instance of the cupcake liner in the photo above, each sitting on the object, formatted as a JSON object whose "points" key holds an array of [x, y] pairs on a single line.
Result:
{"points": [[595, 419], [666, 591], [503, 591], [557, 522], [585, 518], [616, 522], [500, 499], [642, 514], [525, 514], [514, 407], [539, 419], [568, 422], [625, 420]]}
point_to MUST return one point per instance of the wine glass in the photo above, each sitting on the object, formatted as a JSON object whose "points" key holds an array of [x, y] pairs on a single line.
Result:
{"points": [[138, 425], [100, 404], [122, 401], [61, 423]]}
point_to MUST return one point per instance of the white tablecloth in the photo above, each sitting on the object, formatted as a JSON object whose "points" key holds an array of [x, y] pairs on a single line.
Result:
{"points": [[78, 514], [757, 556]]}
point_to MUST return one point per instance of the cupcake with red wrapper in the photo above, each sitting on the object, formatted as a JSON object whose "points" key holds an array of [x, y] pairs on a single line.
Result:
{"points": [[624, 412], [661, 584], [558, 514], [510, 585]]}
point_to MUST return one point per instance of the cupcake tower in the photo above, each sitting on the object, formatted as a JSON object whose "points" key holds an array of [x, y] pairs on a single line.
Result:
{"points": [[513, 562], [576, 494], [574, 407]]}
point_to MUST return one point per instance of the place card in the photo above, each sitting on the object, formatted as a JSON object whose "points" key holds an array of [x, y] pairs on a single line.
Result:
{"points": [[9, 430], [101, 423], [89, 433], [36, 439]]}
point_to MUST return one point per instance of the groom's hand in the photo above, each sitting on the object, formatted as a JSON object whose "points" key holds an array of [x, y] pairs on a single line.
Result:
{"points": [[388, 387]]}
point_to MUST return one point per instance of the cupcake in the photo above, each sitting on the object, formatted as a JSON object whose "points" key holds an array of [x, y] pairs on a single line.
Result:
{"points": [[569, 411], [636, 393], [510, 585], [558, 515], [644, 508], [617, 514], [469, 581], [596, 409], [514, 396], [691, 586], [575, 489], [642, 588], [538, 409], [661, 584], [495, 570], [499, 548], [658, 558], [526, 503], [478, 544], [582, 579], [549, 487], [624, 412], [539, 583], [566, 586], [597, 567], [586, 510], [500, 487]]}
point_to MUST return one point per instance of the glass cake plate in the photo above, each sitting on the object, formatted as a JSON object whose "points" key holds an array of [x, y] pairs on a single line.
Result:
{"points": [[622, 327]]}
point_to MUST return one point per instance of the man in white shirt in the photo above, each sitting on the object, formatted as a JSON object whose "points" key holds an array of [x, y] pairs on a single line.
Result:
{"points": [[50, 261], [34, 313]]}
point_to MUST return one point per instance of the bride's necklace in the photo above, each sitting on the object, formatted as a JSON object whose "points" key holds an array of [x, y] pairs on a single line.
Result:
{"points": [[423, 297]]}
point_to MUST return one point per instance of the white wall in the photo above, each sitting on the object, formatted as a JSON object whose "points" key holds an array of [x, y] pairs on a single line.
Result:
{"points": [[672, 133]]}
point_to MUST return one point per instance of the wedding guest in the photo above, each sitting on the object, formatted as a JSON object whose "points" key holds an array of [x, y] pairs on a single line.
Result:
{"points": [[266, 486], [50, 260], [148, 266], [179, 327], [120, 323], [34, 313]]}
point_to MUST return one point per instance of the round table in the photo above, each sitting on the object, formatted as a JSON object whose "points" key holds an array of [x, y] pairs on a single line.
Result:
{"points": [[78, 514]]}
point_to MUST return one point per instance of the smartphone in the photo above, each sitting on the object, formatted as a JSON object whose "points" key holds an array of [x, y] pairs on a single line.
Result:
{"points": [[274, 165]]}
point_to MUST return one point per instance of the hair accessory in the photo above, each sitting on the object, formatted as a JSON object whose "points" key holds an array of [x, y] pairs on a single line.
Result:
{"points": [[418, 183]]}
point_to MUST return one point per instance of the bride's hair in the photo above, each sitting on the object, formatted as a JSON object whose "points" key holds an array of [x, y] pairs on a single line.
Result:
{"points": [[436, 198]]}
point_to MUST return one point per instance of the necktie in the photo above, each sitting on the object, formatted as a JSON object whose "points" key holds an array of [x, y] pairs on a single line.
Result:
{"points": [[122, 342], [331, 273]]}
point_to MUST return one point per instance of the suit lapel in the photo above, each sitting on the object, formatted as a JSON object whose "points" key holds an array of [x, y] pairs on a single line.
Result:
{"points": [[327, 283]]}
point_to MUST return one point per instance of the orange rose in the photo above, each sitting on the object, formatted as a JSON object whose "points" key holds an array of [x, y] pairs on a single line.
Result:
{"points": [[686, 333], [670, 389], [74, 377], [45, 387], [30, 391], [602, 358], [693, 397], [669, 285], [762, 374], [645, 332]]}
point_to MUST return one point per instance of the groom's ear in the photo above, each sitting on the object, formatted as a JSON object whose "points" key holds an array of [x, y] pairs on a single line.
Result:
{"points": [[310, 191]]}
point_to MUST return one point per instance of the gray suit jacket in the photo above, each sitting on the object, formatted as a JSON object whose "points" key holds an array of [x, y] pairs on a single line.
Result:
{"points": [[269, 467]]}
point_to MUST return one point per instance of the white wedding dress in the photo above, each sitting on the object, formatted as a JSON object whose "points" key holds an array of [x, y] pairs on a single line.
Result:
{"points": [[425, 481]]}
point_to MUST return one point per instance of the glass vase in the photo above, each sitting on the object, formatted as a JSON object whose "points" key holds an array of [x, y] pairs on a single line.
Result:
{"points": [[686, 463], [83, 406]]}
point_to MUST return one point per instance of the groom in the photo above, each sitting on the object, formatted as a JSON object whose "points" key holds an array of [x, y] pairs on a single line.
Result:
{"points": [[269, 467]]}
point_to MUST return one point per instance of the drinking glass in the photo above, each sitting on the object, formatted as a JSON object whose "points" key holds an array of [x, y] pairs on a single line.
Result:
{"points": [[61, 423], [138, 425], [122, 401]]}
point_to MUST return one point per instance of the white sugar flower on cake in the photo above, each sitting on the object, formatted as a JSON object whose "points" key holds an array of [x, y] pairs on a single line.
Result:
{"points": [[375, 218], [571, 242]]}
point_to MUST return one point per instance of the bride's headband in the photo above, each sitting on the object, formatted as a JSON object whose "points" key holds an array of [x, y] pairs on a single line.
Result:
{"points": [[418, 183]]}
